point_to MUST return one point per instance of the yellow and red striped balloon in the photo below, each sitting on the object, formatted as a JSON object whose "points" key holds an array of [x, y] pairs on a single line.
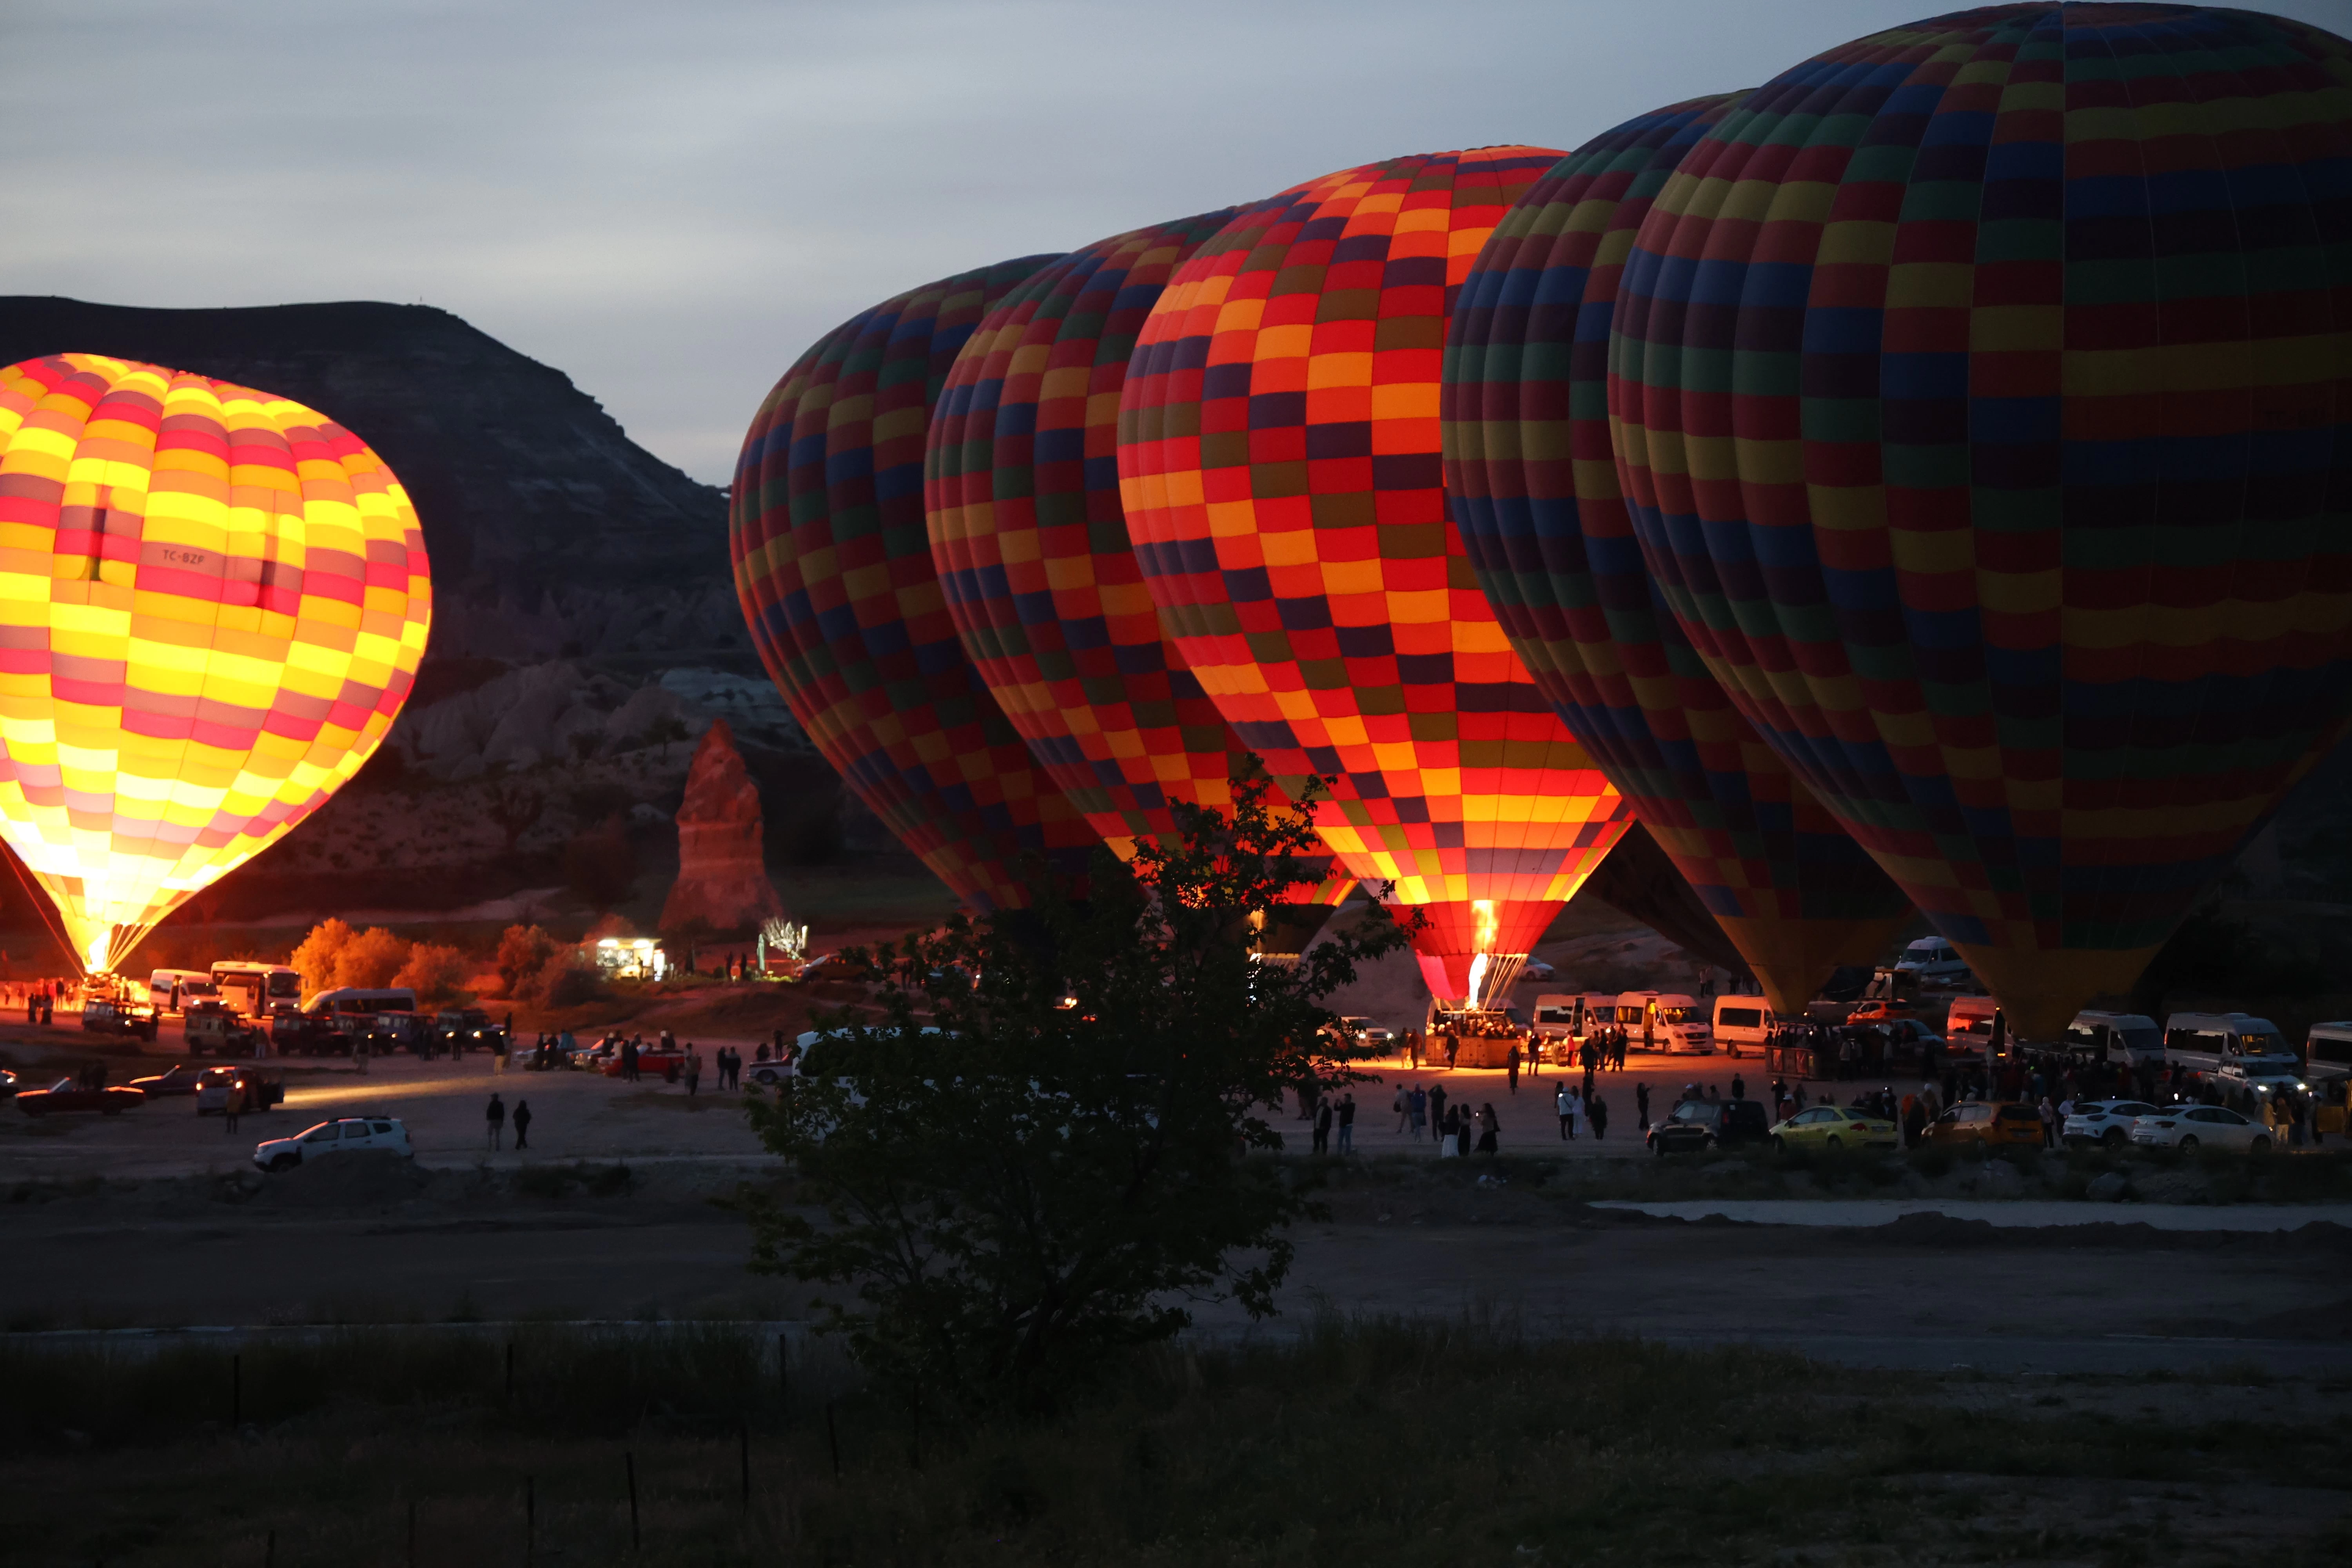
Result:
{"points": [[212, 602]]}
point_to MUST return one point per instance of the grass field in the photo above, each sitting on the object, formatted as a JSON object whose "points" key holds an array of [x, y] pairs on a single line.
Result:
{"points": [[1364, 1444]]}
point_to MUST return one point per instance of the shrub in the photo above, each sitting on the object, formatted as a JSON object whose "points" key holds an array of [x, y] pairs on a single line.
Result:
{"points": [[566, 982], [524, 951], [371, 959], [320, 953], [436, 971]]}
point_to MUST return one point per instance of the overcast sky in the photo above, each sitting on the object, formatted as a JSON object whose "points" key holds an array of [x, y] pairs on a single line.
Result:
{"points": [[669, 201]]}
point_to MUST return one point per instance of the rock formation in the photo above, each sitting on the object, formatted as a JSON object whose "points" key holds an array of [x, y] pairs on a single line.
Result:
{"points": [[723, 875]]}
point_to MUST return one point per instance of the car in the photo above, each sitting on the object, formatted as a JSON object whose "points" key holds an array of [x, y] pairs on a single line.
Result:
{"points": [[652, 1062], [1697, 1124], [466, 1029], [180, 1079], [2106, 1123], [344, 1135], [101, 1015], [1836, 1127], [66, 1096], [1536, 969], [2200, 1126], [260, 1092], [1987, 1125], [2264, 1075], [217, 1031]]}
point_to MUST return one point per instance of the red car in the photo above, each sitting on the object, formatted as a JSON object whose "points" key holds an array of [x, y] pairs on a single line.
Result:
{"points": [[66, 1095], [652, 1062]]}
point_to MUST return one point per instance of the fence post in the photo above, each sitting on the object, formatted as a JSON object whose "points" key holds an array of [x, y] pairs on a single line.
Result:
{"points": [[631, 1460]]}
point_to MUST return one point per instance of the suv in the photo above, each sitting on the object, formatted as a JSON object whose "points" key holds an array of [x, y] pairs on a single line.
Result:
{"points": [[218, 1031], [343, 1136], [260, 1092], [1709, 1124], [466, 1029], [2106, 1123], [101, 1017]]}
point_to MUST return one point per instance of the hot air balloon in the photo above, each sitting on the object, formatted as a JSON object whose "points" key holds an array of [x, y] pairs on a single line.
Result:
{"points": [[1278, 462], [1032, 551], [212, 602], [1534, 492], [1981, 396], [834, 570]]}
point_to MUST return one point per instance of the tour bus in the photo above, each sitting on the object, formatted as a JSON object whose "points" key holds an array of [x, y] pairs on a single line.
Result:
{"points": [[2328, 1054], [2206, 1040], [1742, 1024], [253, 988], [2126, 1039], [171, 990], [1675, 1024]]}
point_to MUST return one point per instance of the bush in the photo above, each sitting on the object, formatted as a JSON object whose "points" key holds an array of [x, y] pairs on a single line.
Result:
{"points": [[436, 972], [320, 953], [565, 981], [371, 959], [524, 951]]}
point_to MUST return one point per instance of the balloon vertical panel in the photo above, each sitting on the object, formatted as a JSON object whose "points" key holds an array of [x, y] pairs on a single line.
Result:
{"points": [[832, 566], [1980, 389]]}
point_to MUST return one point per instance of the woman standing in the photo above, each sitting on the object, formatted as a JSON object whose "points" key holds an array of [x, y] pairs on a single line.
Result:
{"points": [[1489, 1128]]}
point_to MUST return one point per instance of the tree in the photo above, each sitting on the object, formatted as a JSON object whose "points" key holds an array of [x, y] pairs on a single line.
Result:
{"points": [[516, 806], [320, 954], [371, 959], [436, 972], [1018, 1190], [524, 951]]}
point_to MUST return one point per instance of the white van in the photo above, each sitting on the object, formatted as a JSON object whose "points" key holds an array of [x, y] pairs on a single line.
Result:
{"points": [[1932, 958], [1971, 1022], [1557, 1015], [2127, 1039], [171, 990], [350, 1001], [1742, 1024], [253, 988], [2204, 1041], [1675, 1024], [2329, 1053]]}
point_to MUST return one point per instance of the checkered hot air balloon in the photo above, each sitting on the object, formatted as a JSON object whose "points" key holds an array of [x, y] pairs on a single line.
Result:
{"points": [[834, 570], [1534, 492], [1983, 394], [1278, 459], [1033, 552], [212, 602]]}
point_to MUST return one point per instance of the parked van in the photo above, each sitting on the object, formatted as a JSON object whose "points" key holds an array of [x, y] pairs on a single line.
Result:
{"points": [[1974, 1024], [1668, 1020], [353, 1002], [2205, 1040], [171, 990], [1932, 958], [1557, 1015], [2126, 1039], [253, 988], [1742, 1024], [2329, 1053]]}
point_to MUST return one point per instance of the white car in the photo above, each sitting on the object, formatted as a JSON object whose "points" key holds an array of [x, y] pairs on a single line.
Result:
{"points": [[2106, 1121], [2265, 1074], [342, 1136], [2200, 1126]]}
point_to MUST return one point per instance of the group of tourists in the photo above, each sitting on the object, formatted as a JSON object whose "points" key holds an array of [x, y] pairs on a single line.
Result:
{"points": [[1422, 1110]]}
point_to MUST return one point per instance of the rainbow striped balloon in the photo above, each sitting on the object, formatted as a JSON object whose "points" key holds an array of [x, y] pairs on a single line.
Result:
{"points": [[212, 602], [833, 569], [1534, 490], [1983, 394], [1279, 463]]}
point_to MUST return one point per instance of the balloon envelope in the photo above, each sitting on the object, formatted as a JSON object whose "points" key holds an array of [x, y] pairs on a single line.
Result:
{"points": [[1278, 458], [212, 602], [833, 569], [1534, 492], [1981, 397], [1022, 493]]}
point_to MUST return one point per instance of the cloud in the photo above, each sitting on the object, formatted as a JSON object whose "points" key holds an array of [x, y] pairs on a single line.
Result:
{"points": [[669, 202]]}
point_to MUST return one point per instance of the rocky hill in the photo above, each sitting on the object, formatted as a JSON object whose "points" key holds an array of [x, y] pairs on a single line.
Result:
{"points": [[552, 534]]}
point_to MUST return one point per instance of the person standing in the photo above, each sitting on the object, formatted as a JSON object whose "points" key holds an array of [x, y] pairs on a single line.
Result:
{"points": [[1437, 1106], [496, 1117], [693, 1070], [1448, 1127], [233, 1107], [1403, 1107], [2049, 1114], [1420, 1112], [1490, 1129], [1560, 1106], [1511, 1066], [1322, 1140], [1596, 1111], [1462, 1119], [522, 1125], [628, 1061], [1347, 1122], [1642, 1107], [1739, 1086]]}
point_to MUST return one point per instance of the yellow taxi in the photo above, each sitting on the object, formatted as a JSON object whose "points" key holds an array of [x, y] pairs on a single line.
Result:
{"points": [[1837, 1127], [1987, 1125]]}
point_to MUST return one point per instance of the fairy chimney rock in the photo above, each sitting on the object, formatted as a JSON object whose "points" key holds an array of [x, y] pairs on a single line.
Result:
{"points": [[722, 877]]}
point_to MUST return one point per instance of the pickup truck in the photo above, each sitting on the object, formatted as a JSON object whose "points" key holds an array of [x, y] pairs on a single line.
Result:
{"points": [[260, 1093]]}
